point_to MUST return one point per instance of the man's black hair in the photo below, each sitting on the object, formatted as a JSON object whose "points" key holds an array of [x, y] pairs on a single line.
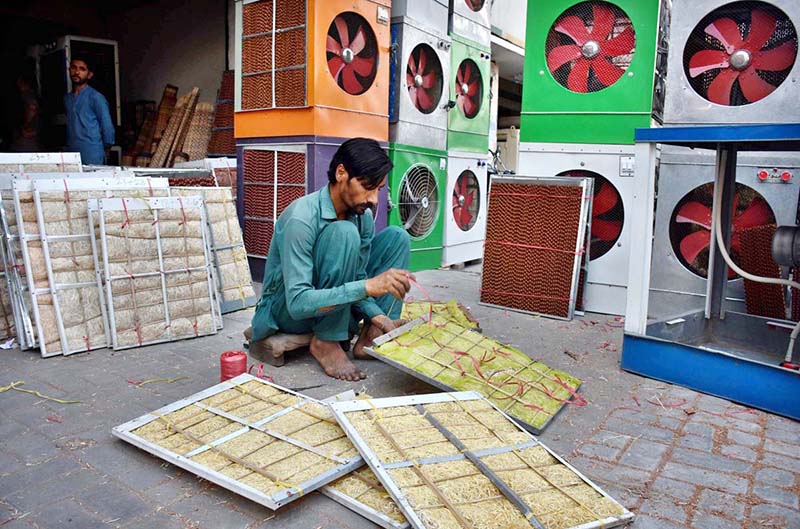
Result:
{"points": [[84, 60], [362, 158]]}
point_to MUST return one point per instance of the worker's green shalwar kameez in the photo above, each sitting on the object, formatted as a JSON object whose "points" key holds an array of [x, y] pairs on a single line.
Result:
{"points": [[316, 270]]}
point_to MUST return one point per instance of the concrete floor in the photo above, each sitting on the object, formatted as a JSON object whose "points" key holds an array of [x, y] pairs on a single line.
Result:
{"points": [[677, 458]]}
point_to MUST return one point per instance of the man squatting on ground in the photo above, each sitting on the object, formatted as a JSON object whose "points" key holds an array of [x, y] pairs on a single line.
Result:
{"points": [[326, 270]]}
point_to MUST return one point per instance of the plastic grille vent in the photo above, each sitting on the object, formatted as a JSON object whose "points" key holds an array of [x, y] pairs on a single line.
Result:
{"points": [[258, 236], [689, 227], [419, 201], [740, 53], [259, 166], [424, 78], [466, 200], [352, 53], [268, 84], [756, 258], [590, 46], [608, 213], [529, 253]]}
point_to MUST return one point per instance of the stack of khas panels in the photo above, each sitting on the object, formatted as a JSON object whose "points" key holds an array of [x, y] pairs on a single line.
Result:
{"points": [[40, 162], [55, 241], [259, 440], [232, 270], [535, 244], [453, 460], [157, 269]]}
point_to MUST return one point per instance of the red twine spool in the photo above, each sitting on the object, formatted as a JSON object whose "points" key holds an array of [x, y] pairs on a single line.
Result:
{"points": [[232, 364]]}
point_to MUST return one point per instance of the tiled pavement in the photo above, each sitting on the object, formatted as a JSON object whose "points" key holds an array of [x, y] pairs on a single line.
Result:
{"points": [[677, 458]]}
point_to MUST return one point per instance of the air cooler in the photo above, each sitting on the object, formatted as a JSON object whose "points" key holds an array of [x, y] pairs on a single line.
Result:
{"points": [[733, 62], [312, 68]]}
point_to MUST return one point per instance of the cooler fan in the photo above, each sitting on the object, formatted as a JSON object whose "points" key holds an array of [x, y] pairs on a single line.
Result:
{"points": [[469, 88], [352, 52], [690, 226], [424, 78], [475, 5], [466, 200], [608, 213], [590, 46], [731, 69], [419, 201]]}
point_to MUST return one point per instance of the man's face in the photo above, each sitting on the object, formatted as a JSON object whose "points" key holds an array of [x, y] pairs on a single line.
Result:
{"points": [[358, 198], [79, 73]]}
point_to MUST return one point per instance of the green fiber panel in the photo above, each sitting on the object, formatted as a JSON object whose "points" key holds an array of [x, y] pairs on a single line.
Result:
{"points": [[463, 133], [553, 113], [426, 251]]}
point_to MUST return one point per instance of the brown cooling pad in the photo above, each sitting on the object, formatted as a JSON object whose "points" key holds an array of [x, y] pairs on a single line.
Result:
{"points": [[755, 256], [257, 54], [259, 201], [290, 88], [257, 236], [290, 48], [290, 13], [796, 295], [257, 91], [291, 168], [529, 253], [259, 166], [257, 17]]}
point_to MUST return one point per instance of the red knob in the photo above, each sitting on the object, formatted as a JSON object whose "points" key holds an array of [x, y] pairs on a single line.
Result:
{"points": [[763, 175], [786, 176]]}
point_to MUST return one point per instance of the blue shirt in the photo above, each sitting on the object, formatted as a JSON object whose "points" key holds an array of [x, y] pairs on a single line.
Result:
{"points": [[89, 125], [289, 269]]}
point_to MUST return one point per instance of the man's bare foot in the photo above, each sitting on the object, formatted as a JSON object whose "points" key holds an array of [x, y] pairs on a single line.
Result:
{"points": [[368, 335], [334, 361]]}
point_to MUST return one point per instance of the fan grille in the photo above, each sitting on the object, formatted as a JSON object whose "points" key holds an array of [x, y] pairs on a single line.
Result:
{"points": [[424, 78], [419, 201], [770, 55], [469, 88], [748, 200], [352, 53], [590, 46], [466, 201], [608, 213]]}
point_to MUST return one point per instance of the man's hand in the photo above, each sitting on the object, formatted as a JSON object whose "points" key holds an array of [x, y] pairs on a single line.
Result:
{"points": [[393, 281], [382, 322]]}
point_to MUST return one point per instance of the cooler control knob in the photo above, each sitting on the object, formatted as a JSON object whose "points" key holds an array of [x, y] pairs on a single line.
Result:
{"points": [[786, 176], [763, 175]]}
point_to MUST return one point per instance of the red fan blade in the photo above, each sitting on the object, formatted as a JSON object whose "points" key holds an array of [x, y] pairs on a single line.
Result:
{"points": [[359, 41], [776, 59], [719, 91], [578, 80], [341, 28], [422, 60], [622, 44], [606, 230], [695, 213], [727, 32], [462, 186], [363, 65], [461, 103], [604, 200], [336, 65], [465, 218], [428, 80], [350, 81], [757, 213], [413, 93], [753, 86], [603, 18], [459, 76], [469, 106], [467, 72], [574, 28], [424, 99], [606, 72], [455, 199], [457, 214], [694, 243], [706, 60], [561, 55], [412, 65], [762, 26], [468, 198], [409, 80], [333, 46], [472, 88]]}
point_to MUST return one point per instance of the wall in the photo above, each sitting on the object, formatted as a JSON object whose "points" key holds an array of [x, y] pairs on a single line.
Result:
{"points": [[180, 42], [508, 20]]}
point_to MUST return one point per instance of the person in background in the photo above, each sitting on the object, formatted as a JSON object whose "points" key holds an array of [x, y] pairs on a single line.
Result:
{"points": [[90, 130], [25, 136]]}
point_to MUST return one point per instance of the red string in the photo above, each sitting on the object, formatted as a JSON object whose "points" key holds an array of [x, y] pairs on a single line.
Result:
{"points": [[66, 192], [150, 186], [523, 295], [183, 212], [534, 247], [534, 195], [138, 330], [86, 341], [127, 218], [195, 328]]}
